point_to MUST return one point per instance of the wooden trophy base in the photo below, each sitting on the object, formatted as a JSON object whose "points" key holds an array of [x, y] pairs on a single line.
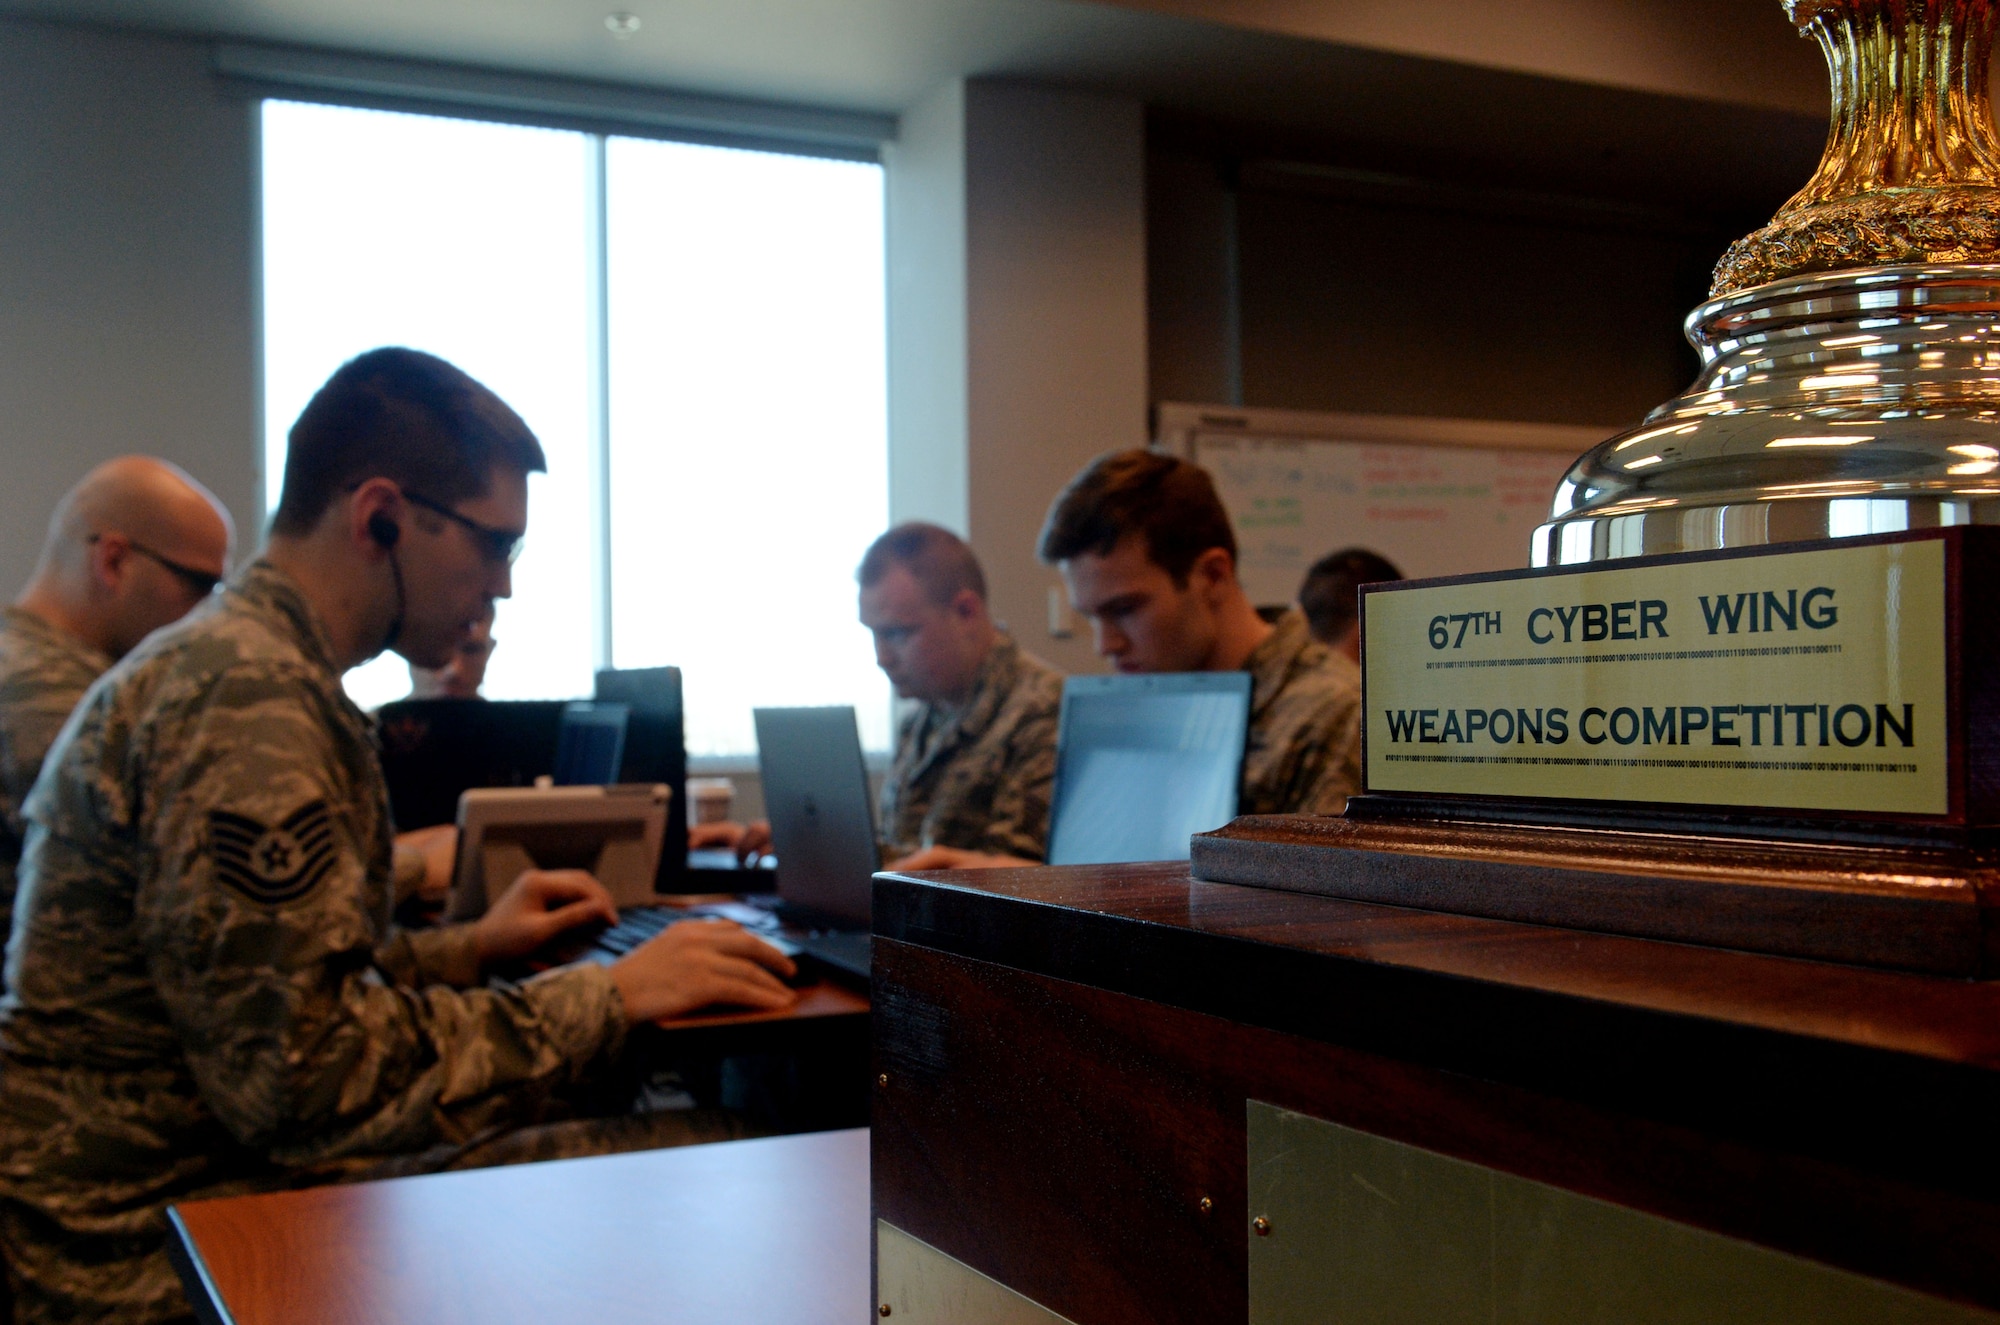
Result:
{"points": [[1673, 747], [1913, 906]]}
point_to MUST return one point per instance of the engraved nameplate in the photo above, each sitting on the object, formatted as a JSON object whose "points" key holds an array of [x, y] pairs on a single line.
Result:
{"points": [[1815, 678]]}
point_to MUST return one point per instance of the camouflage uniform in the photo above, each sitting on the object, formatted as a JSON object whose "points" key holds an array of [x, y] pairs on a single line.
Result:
{"points": [[978, 776], [1304, 755], [43, 673], [207, 995]]}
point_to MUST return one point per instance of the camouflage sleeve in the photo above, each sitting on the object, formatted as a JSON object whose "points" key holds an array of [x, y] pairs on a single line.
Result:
{"points": [[260, 912], [889, 796], [1020, 821], [1336, 775], [33, 709], [443, 956], [407, 870]]}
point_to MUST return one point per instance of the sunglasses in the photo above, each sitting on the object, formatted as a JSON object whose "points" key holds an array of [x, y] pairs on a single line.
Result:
{"points": [[498, 546], [201, 582]]}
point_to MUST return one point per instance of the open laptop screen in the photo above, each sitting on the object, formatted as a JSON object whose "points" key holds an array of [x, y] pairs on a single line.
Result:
{"points": [[1145, 762], [655, 750], [590, 744], [435, 749], [816, 792]]}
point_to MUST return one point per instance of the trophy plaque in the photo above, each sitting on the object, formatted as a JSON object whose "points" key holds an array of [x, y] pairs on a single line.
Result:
{"points": [[1745, 695]]}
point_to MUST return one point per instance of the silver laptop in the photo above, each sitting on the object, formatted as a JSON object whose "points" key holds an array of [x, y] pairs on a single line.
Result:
{"points": [[822, 826], [823, 834], [1144, 762]]}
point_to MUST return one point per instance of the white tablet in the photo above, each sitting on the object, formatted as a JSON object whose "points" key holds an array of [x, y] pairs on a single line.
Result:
{"points": [[615, 833]]}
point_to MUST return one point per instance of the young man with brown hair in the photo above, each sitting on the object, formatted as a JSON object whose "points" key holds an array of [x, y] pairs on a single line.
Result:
{"points": [[1328, 596], [1146, 549]]}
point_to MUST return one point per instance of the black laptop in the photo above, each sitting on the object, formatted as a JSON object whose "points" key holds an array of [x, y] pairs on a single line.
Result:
{"points": [[433, 750], [655, 750]]}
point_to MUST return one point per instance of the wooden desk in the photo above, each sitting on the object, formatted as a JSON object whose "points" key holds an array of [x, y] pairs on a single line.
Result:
{"points": [[817, 1001], [769, 1232], [1116, 1023], [823, 1007], [801, 1068]]}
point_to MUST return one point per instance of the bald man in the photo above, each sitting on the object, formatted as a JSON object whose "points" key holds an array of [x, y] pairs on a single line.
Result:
{"points": [[132, 547]]}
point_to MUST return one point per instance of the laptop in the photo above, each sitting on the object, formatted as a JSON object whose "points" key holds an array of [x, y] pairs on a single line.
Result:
{"points": [[590, 745], [656, 751], [823, 834], [822, 825], [1144, 762], [434, 750]]}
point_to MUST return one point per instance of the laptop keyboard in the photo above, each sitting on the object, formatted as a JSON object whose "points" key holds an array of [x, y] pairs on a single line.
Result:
{"points": [[637, 924]]}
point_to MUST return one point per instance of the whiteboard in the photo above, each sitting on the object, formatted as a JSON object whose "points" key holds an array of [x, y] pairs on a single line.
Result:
{"points": [[1434, 496]]}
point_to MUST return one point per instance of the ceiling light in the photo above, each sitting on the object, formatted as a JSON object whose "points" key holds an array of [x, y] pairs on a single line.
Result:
{"points": [[622, 25], [1817, 441]]}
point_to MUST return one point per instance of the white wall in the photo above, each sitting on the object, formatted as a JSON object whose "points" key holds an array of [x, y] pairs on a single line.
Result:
{"points": [[1040, 364], [127, 249], [1056, 300], [926, 239]]}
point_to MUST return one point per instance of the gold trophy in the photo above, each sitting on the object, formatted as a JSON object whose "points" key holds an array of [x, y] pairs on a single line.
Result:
{"points": [[1850, 349], [1750, 695]]}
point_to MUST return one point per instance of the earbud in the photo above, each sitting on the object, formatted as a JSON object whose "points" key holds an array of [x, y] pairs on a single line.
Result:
{"points": [[387, 533]]}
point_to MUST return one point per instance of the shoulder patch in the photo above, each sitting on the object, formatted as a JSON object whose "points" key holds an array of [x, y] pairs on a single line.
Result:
{"points": [[270, 864]]}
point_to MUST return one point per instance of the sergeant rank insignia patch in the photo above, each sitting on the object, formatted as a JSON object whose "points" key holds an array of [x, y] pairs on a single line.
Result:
{"points": [[272, 864]]}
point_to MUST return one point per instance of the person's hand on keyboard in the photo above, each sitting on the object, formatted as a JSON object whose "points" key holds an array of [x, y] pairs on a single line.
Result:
{"points": [[695, 963], [538, 908], [748, 841], [755, 842]]}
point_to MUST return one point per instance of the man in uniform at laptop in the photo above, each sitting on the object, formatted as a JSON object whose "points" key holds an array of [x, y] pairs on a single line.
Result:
{"points": [[975, 763], [1330, 591], [207, 994], [133, 546], [1147, 552]]}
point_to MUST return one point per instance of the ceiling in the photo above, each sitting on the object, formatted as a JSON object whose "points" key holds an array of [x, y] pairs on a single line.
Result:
{"points": [[1707, 104], [1740, 51]]}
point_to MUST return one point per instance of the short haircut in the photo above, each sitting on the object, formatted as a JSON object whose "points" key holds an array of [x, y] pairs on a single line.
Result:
{"points": [[1172, 503], [939, 560], [402, 415], [1327, 595]]}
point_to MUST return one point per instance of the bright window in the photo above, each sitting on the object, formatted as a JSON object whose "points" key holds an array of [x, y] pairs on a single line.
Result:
{"points": [[712, 517], [748, 426]]}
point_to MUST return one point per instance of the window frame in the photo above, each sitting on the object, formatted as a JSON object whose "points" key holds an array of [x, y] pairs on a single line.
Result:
{"points": [[598, 114]]}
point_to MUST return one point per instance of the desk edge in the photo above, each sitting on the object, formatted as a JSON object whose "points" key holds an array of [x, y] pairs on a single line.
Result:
{"points": [[196, 1281]]}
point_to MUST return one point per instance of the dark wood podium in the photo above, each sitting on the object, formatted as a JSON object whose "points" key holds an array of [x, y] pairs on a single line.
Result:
{"points": [[1128, 1096]]}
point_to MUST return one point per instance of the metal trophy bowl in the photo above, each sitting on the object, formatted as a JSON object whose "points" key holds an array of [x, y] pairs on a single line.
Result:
{"points": [[1850, 350]]}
